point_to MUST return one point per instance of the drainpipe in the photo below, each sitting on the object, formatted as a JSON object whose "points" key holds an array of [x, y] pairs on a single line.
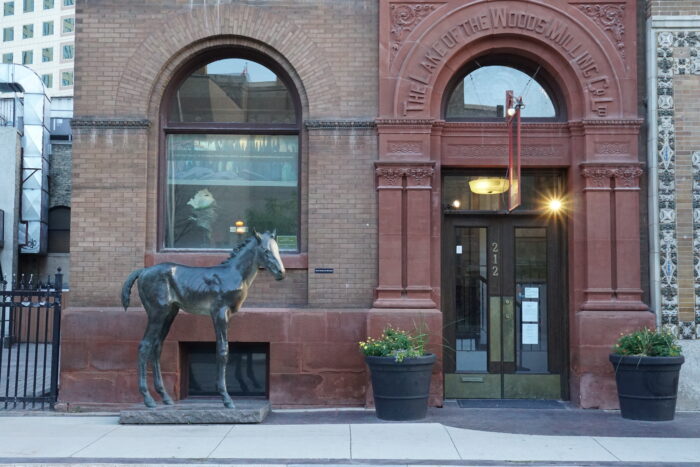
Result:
{"points": [[35, 159]]}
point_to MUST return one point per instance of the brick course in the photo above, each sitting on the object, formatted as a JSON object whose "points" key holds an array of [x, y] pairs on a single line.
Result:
{"points": [[686, 88], [673, 7]]}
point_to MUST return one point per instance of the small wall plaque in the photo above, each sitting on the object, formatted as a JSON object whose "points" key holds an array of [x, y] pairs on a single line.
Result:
{"points": [[323, 270]]}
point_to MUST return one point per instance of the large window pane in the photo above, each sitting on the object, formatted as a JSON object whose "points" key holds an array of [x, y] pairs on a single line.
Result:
{"points": [[482, 94], [233, 91], [471, 300], [213, 180]]}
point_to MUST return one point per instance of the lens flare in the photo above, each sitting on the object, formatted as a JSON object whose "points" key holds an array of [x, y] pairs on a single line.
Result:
{"points": [[555, 205]]}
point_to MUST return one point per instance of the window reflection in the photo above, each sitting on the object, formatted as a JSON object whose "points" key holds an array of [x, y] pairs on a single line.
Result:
{"points": [[214, 180], [481, 94], [233, 91]]}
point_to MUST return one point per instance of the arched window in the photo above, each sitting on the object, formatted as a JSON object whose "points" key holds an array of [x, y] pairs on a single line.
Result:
{"points": [[231, 130], [478, 91]]}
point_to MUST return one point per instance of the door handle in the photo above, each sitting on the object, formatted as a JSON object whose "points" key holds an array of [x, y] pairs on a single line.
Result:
{"points": [[472, 379], [508, 330]]}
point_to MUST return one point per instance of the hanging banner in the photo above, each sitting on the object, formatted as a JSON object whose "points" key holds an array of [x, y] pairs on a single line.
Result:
{"points": [[513, 124]]}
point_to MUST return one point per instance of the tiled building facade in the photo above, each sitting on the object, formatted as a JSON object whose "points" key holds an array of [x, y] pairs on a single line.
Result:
{"points": [[673, 46]]}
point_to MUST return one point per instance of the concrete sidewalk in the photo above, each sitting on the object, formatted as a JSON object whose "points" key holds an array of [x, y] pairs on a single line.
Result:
{"points": [[100, 439]]}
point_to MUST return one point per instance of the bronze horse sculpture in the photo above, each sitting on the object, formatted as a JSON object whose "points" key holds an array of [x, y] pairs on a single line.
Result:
{"points": [[217, 291]]}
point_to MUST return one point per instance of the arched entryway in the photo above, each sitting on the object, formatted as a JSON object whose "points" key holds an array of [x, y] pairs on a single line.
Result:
{"points": [[504, 283], [589, 145]]}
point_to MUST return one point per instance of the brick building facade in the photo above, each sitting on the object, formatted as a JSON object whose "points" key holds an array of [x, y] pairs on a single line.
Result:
{"points": [[380, 241]]}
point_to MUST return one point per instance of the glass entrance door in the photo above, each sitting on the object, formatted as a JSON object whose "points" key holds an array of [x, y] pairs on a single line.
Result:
{"points": [[504, 308]]}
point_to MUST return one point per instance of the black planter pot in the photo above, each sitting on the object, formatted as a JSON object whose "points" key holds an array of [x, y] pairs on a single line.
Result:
{"points": [[401, 389], [647, 386]]}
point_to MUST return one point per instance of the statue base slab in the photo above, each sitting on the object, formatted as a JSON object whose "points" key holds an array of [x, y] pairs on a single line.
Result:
{"points": [[190, 413]]}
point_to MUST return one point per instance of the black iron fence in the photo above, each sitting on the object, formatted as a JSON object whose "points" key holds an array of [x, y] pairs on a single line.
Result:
{"points": [[30, 330]]}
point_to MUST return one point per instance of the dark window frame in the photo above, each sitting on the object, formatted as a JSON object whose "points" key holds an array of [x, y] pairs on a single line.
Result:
{"points": [[522, 64], [221, 128]]}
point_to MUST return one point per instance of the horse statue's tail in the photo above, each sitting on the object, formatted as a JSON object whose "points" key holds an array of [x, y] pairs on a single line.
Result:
{"points": [[126, 289]]}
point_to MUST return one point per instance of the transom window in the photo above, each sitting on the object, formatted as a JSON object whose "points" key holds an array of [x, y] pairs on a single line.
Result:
{"points": [[231, 155], [480, 93]]}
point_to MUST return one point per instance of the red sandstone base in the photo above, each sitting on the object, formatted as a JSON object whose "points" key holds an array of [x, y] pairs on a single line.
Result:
{"points": [[314, 355], [592, 379]]}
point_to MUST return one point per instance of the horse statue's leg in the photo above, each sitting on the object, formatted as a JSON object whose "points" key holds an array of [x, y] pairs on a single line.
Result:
{"points": [[220, 318], [157, 376], [146, 348]]}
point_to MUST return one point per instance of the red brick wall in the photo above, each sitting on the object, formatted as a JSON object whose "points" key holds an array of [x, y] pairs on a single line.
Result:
{"points": [[129, 50], [108, 216], [342, 217]]}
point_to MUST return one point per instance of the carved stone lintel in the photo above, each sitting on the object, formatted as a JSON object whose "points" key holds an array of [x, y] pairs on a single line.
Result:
{"points": [[338, 124], [602, 123], [404, 18], [611, 17], [405, 123], [110, 123], [405, 147]]}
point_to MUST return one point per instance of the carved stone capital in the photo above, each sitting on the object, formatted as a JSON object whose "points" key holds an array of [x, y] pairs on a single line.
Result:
{"points": [[390, 176], [418, 175], [627, 177], [597, 177]]}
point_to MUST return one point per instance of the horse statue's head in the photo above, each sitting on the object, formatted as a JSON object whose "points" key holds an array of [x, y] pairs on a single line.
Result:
{"points": [[270, 253]]}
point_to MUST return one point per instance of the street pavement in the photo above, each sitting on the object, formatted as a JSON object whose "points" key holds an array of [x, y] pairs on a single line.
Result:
{"points": [[352, 437]]}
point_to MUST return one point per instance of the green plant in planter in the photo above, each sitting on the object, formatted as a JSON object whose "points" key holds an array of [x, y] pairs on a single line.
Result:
{"points": [[400, 371], [395, 343], [647, 366], [647, 343]]}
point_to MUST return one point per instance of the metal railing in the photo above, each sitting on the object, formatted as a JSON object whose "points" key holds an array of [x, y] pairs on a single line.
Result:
{"points": [[30, 330]]}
